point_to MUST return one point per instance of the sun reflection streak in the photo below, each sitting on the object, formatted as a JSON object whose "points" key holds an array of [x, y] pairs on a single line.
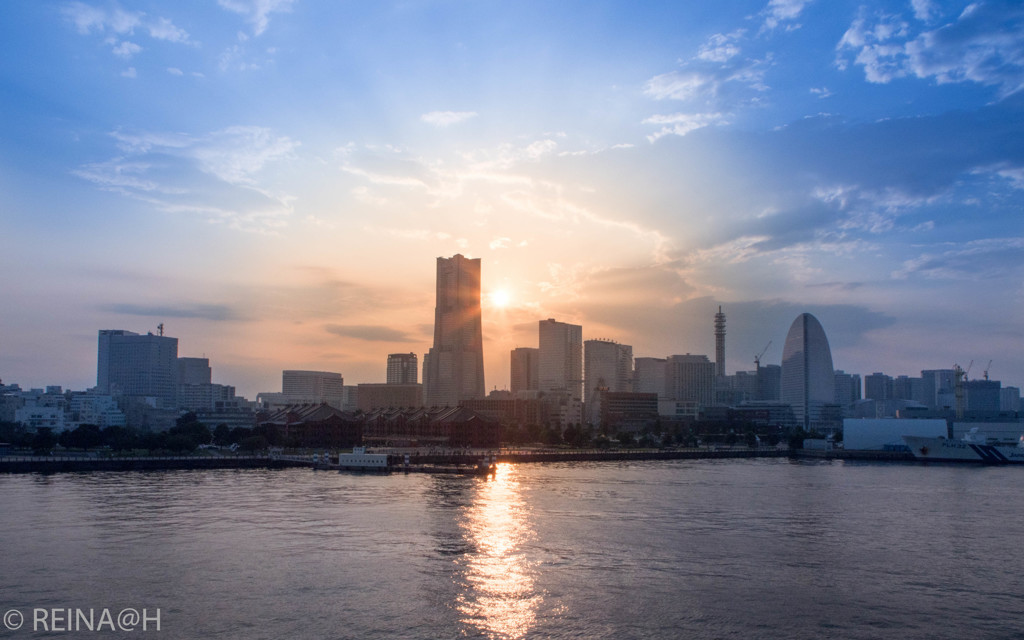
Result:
{"points": [[499, 597]]}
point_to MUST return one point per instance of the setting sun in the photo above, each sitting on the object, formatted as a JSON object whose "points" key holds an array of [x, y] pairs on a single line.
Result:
{"points": [[500, 298]]}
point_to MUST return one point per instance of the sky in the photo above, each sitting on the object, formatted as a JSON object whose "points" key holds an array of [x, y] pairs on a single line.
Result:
{"points": [[273, 180]]}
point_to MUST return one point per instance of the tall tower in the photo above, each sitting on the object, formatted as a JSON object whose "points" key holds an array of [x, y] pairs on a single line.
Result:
{"points": [[454, 367], [719, 343], [808, 380]]}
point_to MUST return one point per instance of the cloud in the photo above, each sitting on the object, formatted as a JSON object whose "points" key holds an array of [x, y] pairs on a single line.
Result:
{"points": [[782, 11], [681, 124], [977, 260], [983, 45], [447, 118], [257, 12], [371, 333], [220, 175], [923, 9], [215, 312], [89, 19], [129, 72], [126, 49], [174, 71], [721, 48]]}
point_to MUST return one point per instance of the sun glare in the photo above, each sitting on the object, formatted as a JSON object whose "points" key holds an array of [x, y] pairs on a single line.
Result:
{"points": [[500, 298]]}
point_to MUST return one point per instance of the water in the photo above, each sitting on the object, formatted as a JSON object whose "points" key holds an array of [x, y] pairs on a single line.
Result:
{"points": [[675, 549]]}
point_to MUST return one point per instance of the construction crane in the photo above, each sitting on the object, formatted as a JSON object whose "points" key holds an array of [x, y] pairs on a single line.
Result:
{"points": [[757, 358], [987, 367]]}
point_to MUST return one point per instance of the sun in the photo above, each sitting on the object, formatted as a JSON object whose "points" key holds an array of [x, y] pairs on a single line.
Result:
{"points": [[500, 298]]}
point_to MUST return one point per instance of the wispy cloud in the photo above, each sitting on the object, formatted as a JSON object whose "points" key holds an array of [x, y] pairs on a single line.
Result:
{"points": [[680, 124], [216, 312], [161, 169], [372, 333], [447, 118], [257, 12], [977, 260], [116, 22]]}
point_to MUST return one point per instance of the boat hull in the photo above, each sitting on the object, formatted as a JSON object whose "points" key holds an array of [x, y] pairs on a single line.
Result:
{"points": [[945, 450]]}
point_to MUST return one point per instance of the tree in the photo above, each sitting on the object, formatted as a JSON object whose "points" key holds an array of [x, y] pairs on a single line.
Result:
{"points": [[44, 441], [84, 436], [222, 435], [625, 438]]}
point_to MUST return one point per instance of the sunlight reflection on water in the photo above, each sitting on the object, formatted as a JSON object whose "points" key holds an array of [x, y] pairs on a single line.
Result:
{"points": [[499, 596]]}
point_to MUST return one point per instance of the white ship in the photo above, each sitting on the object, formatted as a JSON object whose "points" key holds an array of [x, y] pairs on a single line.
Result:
{"points": [[973, 448]]}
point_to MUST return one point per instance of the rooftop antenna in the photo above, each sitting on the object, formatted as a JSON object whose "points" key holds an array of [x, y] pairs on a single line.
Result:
{"points": [[160, 328]]}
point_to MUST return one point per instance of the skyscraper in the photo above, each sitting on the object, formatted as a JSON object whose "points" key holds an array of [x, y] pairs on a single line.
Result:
{"points": [[561, 358], [137, 365], [403, 368], [808, 380], [524, 369], [453, 369]]}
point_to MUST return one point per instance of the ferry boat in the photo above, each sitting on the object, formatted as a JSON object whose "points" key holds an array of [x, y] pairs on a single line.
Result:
{"points": [[972, 448]]}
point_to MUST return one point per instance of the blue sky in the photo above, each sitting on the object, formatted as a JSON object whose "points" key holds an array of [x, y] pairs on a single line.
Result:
{"points": [[273, 180]]}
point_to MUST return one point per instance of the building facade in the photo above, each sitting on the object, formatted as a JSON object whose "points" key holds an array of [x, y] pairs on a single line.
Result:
{"points": [[607, 367], [560, 365], [808, 380], [130, 364], [524, 372], [453, 369], [403, 368]]}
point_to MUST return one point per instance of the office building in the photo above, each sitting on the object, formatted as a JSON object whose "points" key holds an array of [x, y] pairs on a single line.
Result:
{"points": [[312, 387], [194, 371], [453, 369], [525, 362], [690, 379], [130, 364], [403, 368], [560, 368], [607, 367], [808, 380]]}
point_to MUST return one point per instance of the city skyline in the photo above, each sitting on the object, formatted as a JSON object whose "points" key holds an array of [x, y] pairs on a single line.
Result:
{"points": [[273, 180]]}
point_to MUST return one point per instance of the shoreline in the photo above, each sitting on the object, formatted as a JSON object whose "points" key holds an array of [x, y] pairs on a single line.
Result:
{"points": [[78, 464]]}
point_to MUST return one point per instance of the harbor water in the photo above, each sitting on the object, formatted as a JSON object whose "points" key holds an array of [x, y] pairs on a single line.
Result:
{"points": [[760, 548]]}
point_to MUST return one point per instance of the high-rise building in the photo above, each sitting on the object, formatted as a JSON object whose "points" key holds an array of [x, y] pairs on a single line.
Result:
{"points": [[1009, 399], [938, 388], [607, 367], [560, 367], [808, 380], [719, 343], [137, 365], [525, 362], [453, 369], [403, 368], [691, 379], [649, 376], [878, 386], [194, 371], [847, 388]]}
